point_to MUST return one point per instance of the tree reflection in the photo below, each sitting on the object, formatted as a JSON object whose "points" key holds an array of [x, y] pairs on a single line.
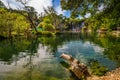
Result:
{"points": [[8, 48], [22, 49]]}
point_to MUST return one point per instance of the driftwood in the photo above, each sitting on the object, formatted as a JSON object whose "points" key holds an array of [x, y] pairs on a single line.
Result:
{"points": [[79, 69]]}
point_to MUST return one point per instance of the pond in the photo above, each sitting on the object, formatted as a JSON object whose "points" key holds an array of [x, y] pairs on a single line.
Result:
{"points": [[39, 58]]}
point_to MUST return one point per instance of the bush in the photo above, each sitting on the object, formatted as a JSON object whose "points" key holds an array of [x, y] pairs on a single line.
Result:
{"points": [[46, 33]]}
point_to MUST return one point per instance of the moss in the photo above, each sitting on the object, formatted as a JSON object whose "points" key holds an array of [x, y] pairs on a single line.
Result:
{"points": [[98, 69]]}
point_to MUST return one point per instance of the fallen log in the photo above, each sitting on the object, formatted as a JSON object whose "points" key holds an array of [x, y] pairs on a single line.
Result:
{"points": [[79, 69]]}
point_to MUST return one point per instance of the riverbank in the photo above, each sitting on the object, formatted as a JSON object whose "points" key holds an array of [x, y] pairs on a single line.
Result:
{"points": [[112, 75]]}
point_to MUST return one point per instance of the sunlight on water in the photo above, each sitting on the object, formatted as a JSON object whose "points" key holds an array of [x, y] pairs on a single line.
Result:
{"points": [[86, 51], [39, 59]]}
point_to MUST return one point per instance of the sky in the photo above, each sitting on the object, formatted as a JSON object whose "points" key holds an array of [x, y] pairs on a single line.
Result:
{"points": [[57, 6], [39, 5]]}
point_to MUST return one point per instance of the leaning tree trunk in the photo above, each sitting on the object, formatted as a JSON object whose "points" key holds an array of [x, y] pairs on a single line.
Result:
{"points": [[79, 69], [27, 18]]}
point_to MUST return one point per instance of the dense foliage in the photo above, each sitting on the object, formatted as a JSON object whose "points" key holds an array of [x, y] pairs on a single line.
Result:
{"points": [[108, 19], [104, 13], [12, 23]]}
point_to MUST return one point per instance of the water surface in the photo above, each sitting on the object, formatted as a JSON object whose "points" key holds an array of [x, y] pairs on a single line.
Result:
{"points": [[38, 59]]}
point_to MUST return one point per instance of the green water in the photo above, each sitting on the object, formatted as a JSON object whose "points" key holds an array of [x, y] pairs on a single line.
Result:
{"points": [[38, 58]]}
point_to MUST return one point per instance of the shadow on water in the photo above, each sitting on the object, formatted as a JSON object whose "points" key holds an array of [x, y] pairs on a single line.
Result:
{"points": [[38, 58]]}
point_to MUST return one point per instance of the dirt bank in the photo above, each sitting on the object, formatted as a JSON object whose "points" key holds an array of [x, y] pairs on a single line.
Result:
{"points": [[113, 75]]}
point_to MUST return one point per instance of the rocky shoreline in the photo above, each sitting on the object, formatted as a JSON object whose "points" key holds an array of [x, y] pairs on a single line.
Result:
{"points": [[112, 75]]}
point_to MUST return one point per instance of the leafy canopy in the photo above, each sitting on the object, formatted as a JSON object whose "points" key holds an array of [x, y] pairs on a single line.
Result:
{"points": [[82, 7]]}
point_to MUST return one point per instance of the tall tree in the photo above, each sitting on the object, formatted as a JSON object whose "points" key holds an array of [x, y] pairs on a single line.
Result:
{"points": [[2, 5], [56, 19], [12, 23], [51, 13], [27, 11], [104, 13]]}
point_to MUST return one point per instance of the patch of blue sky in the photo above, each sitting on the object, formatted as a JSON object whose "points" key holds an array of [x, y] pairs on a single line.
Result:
{"points": [[57, 6]]}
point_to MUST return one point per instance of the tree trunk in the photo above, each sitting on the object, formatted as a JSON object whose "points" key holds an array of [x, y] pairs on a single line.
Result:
{"points": [[27, 18], [79, 69], [31, 23]]}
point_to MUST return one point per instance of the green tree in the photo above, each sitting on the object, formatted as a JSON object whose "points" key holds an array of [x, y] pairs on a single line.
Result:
{"points": [[12, 23], [2, 5], [46, 24], [27, 11], [104, 13]]}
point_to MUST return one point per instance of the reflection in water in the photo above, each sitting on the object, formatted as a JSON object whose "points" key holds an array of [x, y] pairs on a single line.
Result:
{"points": [[87, 51], [42, 65], [38, 59]]}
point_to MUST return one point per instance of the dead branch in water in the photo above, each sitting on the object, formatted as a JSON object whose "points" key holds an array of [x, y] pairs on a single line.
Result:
{"points": [[79, 69]]}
